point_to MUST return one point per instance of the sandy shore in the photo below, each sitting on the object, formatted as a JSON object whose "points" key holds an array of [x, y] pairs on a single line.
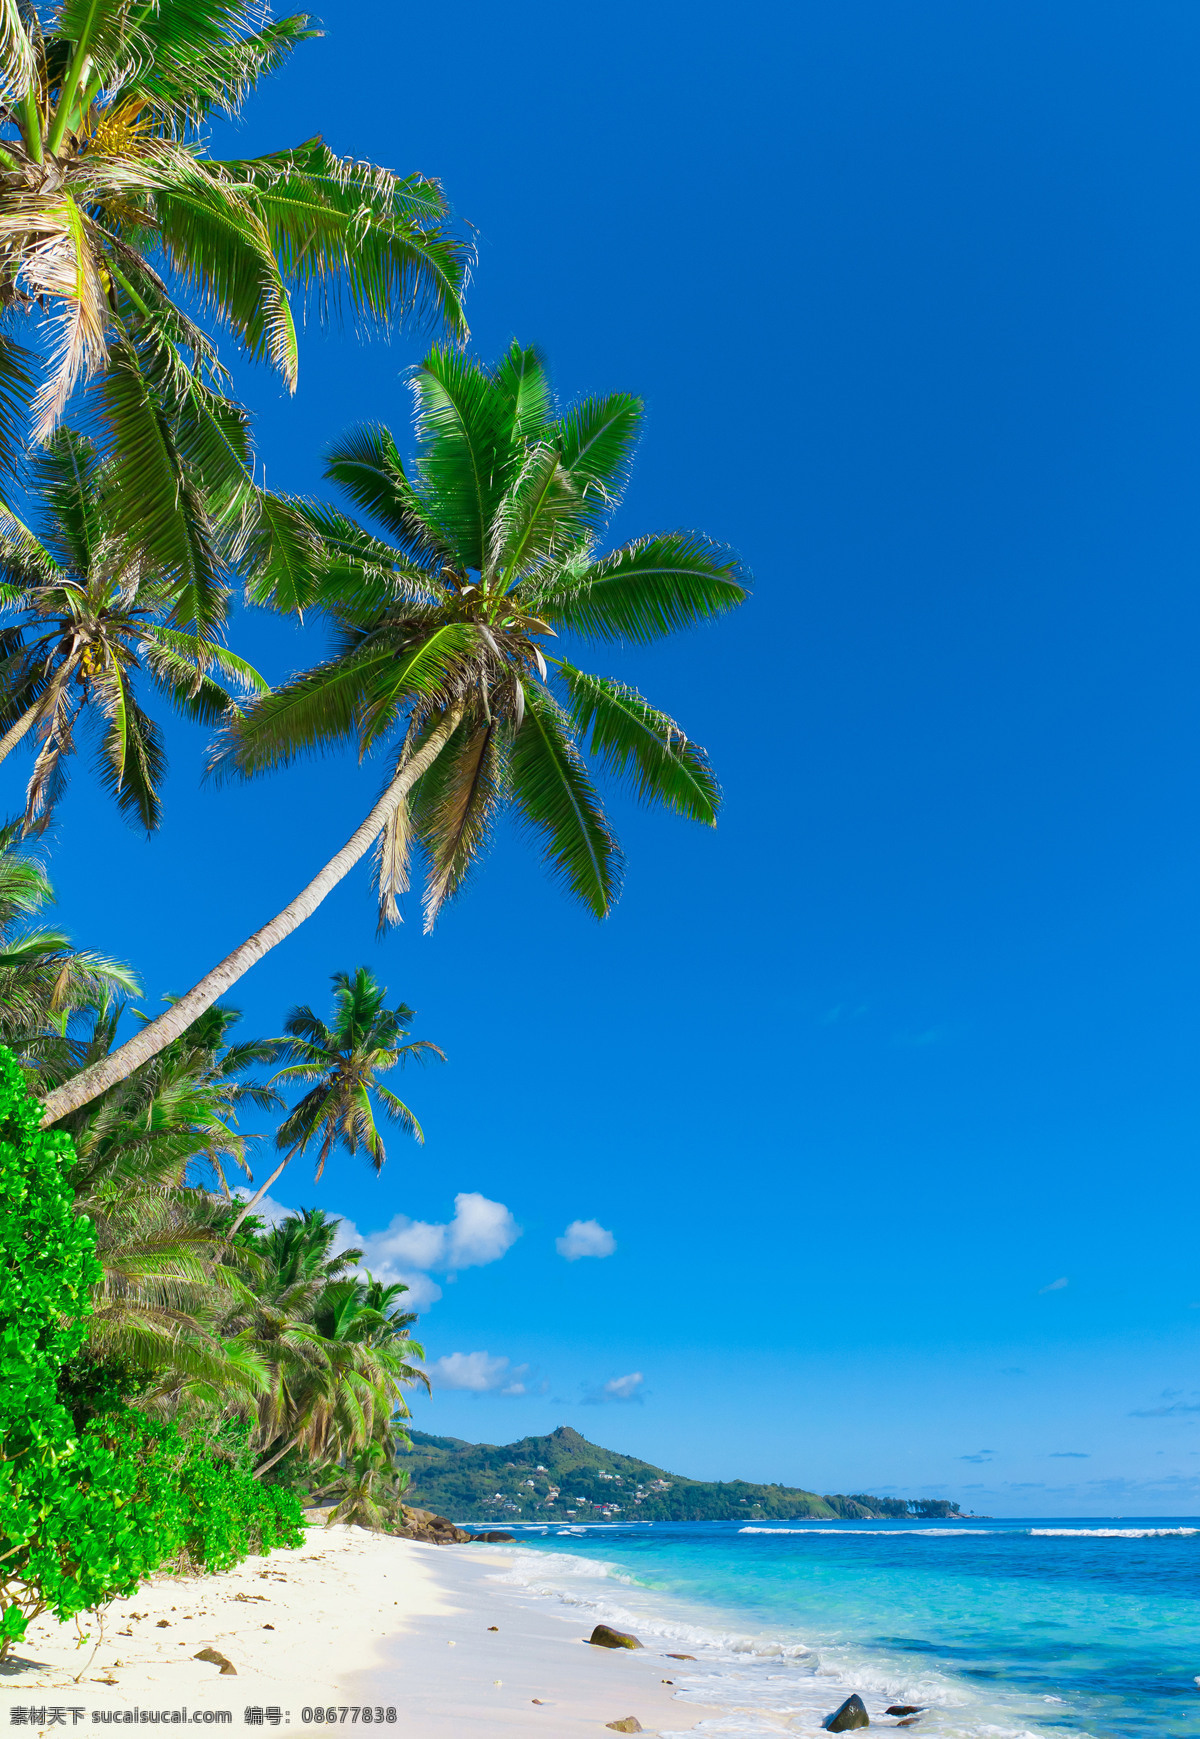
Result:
{"points": [[348, 1618]]}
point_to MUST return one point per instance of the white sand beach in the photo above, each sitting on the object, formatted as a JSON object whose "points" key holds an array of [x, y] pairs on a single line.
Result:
{"points": [[349, 1618]]}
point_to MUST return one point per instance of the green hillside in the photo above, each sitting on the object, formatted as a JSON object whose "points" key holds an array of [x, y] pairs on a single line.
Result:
{"points": [[564, 1477]]}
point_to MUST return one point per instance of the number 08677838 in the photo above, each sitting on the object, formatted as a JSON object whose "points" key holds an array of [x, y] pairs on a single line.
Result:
{"points": [[327, 1714]]}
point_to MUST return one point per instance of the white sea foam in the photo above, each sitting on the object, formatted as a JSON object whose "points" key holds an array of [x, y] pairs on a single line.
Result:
{"points": [[893, 1533], [749, 1686], [1110, 1533]]}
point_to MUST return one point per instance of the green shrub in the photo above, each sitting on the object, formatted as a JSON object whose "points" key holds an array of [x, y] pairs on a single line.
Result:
{"points": [[87, 1514]]}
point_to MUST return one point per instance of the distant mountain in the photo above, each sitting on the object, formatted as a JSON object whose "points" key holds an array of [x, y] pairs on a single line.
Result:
{"points": [[564, 1477]]}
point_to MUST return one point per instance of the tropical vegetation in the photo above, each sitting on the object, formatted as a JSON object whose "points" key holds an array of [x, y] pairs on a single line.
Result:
{"points": [[441, 653], [564, 1476], [178, 1373], [84, 627], [115, 221]]}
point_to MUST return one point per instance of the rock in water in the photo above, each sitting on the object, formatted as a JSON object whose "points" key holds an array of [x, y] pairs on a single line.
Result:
{"points": [[605, 1637], [852, 1713], [217, 1660], [904, 1709], [630, 1724], [495, 1538]]}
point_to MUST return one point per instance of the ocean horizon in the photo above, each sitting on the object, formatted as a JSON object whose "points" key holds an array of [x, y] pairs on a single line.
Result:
{"points": [[998, 1628]]}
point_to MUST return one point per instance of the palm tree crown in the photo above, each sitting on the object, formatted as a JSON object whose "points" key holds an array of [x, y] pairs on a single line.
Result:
{"points": [[85, 628], [108, 198], [344, 1061], [491, 551], [442, 649]]}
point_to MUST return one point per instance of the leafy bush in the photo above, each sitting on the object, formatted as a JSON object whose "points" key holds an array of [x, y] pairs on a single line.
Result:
{"points": [[86, 1514]]}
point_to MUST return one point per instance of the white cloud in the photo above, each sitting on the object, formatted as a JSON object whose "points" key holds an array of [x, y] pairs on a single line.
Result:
{"points": [[481, 1231], [1054, 1286], [627, 1388], [585, 1238], [478, 1374]]}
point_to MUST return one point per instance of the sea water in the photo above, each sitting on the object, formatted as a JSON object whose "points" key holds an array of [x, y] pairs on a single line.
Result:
{"points": [[998, 1629]]}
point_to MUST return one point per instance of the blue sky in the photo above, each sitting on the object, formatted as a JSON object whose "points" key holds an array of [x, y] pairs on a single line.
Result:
{"points": [[887, 1092]]}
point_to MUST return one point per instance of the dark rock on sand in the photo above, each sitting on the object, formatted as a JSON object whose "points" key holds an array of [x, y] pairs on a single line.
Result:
{"points": [[630, 1724], [605, 1637], [680, 1657], [433, 1530], [852, 1714], [904, 1709], [217, 1660]]}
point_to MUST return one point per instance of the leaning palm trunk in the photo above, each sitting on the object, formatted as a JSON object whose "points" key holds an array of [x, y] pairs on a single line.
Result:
{"points": [[82, 1088], [260, 1192]]}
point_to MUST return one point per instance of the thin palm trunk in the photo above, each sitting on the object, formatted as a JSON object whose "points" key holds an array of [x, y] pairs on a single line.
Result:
{"points": [[82, 1088], [278, 1456], [261, 1192]]}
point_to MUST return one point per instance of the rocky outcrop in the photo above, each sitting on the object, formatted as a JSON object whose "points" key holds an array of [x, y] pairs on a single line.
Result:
{"points": [[494, 1538], [852, 1714], [433, 1530], [605, 1637]]}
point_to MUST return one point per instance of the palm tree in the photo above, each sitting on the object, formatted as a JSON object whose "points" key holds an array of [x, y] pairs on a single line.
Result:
{"points": [[369, 1489], [162, 1306], [87, 628], [344, 1062], [339, 1351], [110, 207], [442, 648]]}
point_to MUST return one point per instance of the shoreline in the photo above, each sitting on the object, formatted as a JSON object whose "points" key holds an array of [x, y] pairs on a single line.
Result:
{"points": [[348, 1619]]}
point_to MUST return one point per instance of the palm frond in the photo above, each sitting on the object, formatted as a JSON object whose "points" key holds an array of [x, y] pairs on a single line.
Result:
{"points": [[643, 591], [560, 805], [635, 740]]}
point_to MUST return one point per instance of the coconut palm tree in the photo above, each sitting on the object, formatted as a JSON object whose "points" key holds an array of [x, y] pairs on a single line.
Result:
{"points": [[162, 1305], [442, 629], [369, 1490], [344, 1062], [111, 207], [339, 1351], [86, 629]]}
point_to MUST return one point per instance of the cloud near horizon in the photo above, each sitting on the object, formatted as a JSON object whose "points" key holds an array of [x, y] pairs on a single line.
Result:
{"points": [[585, 1238], [627, 1388]]}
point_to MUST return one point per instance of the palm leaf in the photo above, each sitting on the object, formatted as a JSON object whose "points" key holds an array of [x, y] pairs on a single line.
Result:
{"points": [[558, 802], [367, 464], [347, 230], [158, 513], [596, 442], [454, 806], [343, 698], [647, 589], [16, 371], [464, 426], [17, 69], [633, 739]]}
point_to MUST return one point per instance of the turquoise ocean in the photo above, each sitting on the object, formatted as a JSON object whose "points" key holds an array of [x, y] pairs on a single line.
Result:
{"points": [[1001, 1629]]}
